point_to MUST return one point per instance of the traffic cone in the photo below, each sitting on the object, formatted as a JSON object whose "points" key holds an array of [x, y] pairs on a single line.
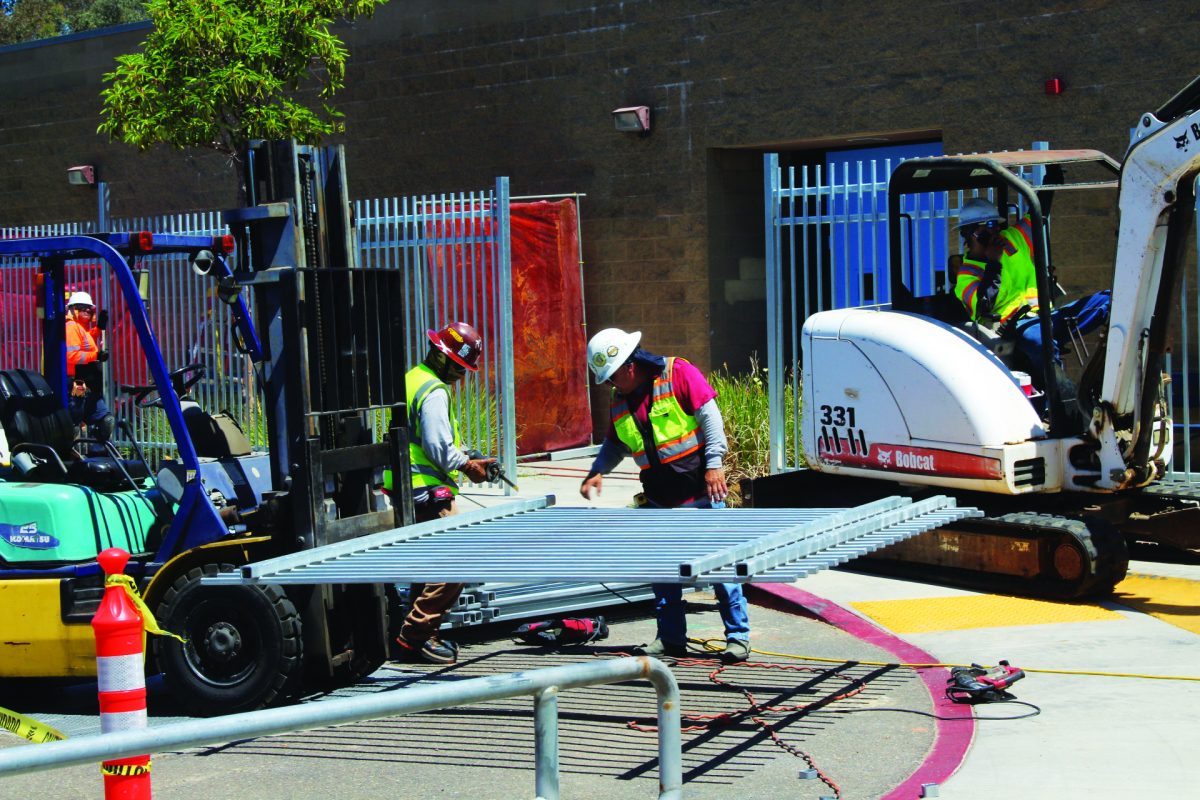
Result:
{"points": [[121, 675]]}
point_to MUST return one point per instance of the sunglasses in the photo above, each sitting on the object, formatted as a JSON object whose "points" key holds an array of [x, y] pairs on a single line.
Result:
{"points": [[616, 372]]}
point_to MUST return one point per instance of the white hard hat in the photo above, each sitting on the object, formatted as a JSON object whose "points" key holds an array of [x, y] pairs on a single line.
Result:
{"points": [[80, 299], [609, 349], [977, 211]]}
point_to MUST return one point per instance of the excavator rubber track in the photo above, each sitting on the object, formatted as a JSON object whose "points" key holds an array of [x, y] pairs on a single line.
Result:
{"points": [[1029, 553]]}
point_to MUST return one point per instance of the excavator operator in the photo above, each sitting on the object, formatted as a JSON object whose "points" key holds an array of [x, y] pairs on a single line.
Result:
{"points": [[997, 284]]}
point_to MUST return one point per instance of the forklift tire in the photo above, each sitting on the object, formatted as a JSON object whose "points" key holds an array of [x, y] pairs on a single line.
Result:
{"points": [[243, 647]]}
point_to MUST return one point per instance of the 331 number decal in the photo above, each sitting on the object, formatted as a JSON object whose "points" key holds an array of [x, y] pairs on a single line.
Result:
{"points": [[838, 415]]}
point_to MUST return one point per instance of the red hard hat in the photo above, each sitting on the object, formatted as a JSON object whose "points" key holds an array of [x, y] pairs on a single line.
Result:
{"points": [[460, 342]]}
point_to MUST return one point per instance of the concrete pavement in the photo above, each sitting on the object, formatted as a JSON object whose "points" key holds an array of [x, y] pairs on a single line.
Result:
{"points": [[1097, 736]]}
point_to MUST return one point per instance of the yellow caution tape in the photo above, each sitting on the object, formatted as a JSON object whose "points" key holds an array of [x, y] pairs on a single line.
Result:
{"points": [[148, 620], [28, 729], [125, 770]]}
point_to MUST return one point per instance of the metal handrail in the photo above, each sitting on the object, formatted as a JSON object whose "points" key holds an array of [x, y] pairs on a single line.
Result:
{"points": [[543, 684]]}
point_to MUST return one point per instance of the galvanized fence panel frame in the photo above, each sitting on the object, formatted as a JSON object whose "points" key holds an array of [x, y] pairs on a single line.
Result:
{"points": [[798, 205], [468, 231], [183, 312]]}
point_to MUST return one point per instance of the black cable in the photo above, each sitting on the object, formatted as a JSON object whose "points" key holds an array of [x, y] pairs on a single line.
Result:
{"points": [[607, 588], [1033, 713]]}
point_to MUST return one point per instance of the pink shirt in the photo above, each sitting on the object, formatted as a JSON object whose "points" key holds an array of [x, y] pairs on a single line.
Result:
{"points": [[691, 390]]}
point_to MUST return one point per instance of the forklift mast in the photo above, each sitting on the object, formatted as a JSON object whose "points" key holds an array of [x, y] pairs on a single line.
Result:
{"points": [[332, 332]]}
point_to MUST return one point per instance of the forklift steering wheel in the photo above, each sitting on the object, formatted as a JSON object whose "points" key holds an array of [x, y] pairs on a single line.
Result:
{"points": [[182, 386], [147, 396]]}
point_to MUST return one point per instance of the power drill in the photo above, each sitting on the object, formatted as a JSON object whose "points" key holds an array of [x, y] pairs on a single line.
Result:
{"points": [[975, 684], [494, 472]]}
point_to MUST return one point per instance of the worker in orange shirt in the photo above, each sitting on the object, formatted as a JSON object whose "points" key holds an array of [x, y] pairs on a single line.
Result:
{"points": [[83, 359]]}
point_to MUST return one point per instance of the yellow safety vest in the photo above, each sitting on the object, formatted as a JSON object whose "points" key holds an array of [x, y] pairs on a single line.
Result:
{"points": [[676, 433], [1018, 276], [418, 384]]}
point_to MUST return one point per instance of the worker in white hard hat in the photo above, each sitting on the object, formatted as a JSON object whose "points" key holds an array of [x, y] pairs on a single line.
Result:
{"points": [[86, 403], [664, 414], [997, 284]]}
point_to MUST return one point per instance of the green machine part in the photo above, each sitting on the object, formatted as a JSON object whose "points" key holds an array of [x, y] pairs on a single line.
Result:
{"points": [[45, 522]]}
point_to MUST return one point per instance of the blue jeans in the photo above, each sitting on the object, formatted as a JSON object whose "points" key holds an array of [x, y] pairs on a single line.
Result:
{"points": [[1089, 313], [669, 608]]}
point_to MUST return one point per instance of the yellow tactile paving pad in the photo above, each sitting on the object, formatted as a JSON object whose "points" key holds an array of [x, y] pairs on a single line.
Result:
{"points": [[928, 614], [1173, 600]]}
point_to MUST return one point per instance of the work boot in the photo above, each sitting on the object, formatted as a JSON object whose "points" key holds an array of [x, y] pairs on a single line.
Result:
{"points": [[736, 651], [658, 648], [433, 651]]}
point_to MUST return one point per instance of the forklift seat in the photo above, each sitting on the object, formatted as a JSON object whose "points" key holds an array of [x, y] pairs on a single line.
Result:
{"points": [[34, 417], [213, 435]]}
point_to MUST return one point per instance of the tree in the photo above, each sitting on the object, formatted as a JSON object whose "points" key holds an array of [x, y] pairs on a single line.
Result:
{"points": [[87, 16], [26, 20], [218, 73]]}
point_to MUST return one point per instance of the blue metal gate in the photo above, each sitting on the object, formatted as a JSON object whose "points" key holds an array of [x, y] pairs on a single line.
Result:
{"points": [[826, 233]]}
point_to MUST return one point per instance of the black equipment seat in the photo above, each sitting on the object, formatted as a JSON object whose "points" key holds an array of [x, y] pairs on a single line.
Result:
{"points": [[213, 435], [33, 415]]}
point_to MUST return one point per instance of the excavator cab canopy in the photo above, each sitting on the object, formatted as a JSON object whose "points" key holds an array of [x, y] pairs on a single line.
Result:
{"points": [[999, 173], [1007, 177]]}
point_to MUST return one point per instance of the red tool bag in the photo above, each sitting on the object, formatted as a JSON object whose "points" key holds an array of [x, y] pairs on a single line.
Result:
{"points": [[564, 631]]}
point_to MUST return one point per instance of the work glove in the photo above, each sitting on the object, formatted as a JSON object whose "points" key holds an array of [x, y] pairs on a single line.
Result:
{"points": [[479, 468], [102, 356]]}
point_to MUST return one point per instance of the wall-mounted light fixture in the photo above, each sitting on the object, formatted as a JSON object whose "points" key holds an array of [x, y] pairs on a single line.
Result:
{"points": [[85, 175], [81, 175], [632, 119]]}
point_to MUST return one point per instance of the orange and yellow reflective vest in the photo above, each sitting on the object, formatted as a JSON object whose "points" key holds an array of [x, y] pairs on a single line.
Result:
{"points": [[676, 433], [1018, 277]]}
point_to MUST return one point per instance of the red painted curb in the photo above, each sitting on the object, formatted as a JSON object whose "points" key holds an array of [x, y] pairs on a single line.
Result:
{"points": [[951, 740]]}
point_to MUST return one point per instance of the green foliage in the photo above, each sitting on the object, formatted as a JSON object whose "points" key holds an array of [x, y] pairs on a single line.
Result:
{"points": [[745, 408], [87, 16], [26, 20], [29, 20], [218, 73]]}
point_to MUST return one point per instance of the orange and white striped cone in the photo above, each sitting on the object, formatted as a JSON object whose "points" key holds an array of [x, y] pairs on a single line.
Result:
{"points": [[121, 675]]}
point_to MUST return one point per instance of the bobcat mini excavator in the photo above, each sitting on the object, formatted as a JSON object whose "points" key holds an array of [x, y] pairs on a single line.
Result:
{"points": [[910, 399]]}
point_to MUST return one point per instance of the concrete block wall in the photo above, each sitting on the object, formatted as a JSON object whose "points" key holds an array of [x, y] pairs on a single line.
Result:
{"points": [[446, 94]]}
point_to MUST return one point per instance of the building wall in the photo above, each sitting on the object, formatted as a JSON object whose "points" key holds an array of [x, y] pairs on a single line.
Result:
{"points": [[447, 94]]}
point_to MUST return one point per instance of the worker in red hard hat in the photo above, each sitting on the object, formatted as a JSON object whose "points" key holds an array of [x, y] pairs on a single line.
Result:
{"points": [[437, 456], [86, 402]]}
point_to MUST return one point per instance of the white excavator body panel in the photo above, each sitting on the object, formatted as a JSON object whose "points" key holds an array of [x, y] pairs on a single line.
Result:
{"points": [[903, 397]]}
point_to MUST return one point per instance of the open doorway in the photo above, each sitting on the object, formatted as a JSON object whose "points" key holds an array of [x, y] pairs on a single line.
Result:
{"points": [[840, 258]]}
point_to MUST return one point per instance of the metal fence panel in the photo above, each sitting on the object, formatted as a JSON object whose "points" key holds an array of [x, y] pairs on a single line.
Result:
{"points": [[453, 250]]}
